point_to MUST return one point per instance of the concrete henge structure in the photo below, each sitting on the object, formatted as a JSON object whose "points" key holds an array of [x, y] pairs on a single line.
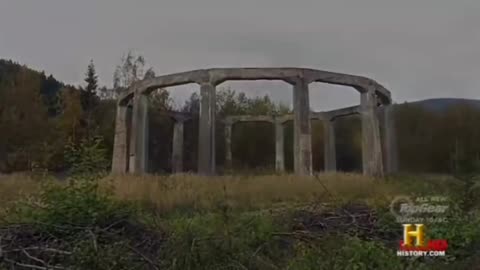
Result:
{"points": [[327, 118], [131, 131], [177, 142]]}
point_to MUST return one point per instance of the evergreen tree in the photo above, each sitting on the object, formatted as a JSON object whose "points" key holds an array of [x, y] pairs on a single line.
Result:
{"points": [[92, 84], [89, 96]]}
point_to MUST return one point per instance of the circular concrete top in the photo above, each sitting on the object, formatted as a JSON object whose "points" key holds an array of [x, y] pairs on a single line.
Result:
{"points": [[216, 76]]}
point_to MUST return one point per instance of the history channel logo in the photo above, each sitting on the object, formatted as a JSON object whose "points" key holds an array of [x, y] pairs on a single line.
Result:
{"points": [[413, 243]]}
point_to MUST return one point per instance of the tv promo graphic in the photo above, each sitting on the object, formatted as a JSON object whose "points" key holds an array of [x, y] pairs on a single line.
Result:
{"points": [[420, 210], [413, 214], [414, 244]]}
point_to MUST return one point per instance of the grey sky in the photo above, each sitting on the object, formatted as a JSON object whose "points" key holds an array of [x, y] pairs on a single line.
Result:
{"points": [[416, 48]]}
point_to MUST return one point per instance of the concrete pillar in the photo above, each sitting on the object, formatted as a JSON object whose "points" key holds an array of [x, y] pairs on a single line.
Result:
{"points": [[139, 138], [121, 145], [329, 152], [206, 137], [371, 140], [228, 145], [391, 150], [279, 151], [302, 146], [177, 147]]}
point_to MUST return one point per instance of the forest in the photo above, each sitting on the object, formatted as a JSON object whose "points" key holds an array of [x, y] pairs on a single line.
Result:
{"points": [[61, 209], [42, 118]]}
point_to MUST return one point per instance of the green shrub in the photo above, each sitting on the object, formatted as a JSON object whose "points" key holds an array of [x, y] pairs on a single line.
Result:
{"points": [[214, 241], [84, 226], [462, 231], [89, 156], [345, 253], [80, 201]]}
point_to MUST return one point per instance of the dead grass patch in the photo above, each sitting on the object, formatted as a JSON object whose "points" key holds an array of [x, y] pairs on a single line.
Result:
{"points": [[193, 192], [196, 192], [16, 186]]}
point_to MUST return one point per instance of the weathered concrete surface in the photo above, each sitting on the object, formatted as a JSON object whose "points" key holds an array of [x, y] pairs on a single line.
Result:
{"points": [[178, 116], [206, 136], [390, 137], [250, 118], [334, 114], [279, 151], [177, 147], [228, 145], [142, 138], [120, 145], [124, 120], [328, 118], [299, 77], [288, 74], [139, 136], [371, 141], [327, 115], [178, 138], [279, 120], [330, 156], [302, 129], [132, 166]]}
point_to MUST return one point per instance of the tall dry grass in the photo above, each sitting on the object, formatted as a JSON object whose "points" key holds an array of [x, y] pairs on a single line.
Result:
{"points": [[193, 192], [187, 191], [15, 186]]}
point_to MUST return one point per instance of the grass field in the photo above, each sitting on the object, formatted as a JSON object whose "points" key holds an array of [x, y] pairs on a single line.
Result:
{"points": [[329, 221], [166, 193]]}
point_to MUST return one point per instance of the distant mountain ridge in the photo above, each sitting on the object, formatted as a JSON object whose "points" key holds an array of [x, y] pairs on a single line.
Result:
{"points": [[50, 87], [442, 104]]}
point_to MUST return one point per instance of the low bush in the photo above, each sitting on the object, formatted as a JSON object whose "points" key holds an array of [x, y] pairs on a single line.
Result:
{"points": [[76, 226]]}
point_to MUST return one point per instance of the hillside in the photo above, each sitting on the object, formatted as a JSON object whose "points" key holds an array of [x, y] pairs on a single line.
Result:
{"points": [[49, 86], [443, 104], [30, 136], [40, 116]]}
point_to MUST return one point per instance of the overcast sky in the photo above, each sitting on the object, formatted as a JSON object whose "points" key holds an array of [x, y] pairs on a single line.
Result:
{"points": [[416, 48]]}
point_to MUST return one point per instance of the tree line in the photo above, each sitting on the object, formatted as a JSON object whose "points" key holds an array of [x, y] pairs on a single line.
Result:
{"points": [[42, 119]]}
